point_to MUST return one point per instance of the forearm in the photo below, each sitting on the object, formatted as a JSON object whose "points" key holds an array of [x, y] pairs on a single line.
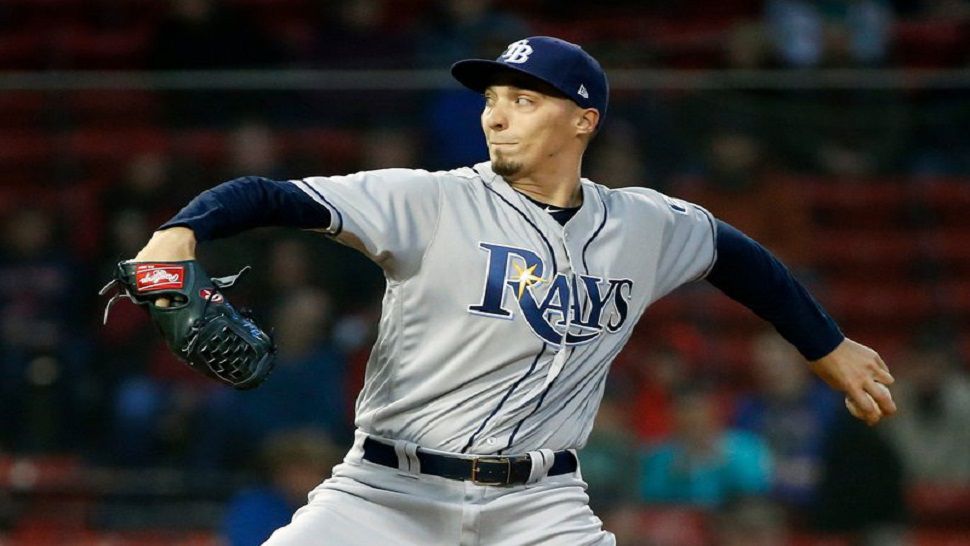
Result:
{"points": [[748, 273], [245, 203]]}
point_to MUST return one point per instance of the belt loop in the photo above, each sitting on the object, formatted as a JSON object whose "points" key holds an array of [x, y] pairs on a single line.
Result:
{"points": [[411, 451], [579, 467], [541, 463], [407, 456]]}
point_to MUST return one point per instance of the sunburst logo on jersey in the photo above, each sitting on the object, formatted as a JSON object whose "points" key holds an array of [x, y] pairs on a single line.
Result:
{"points": [[526, 278]]}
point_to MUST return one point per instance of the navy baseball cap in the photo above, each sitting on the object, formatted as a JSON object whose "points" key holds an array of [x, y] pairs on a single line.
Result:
{"points": [[561, 64]]}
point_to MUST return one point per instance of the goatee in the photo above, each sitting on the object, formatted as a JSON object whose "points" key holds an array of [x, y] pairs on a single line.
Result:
{"points": [[506, 168]]}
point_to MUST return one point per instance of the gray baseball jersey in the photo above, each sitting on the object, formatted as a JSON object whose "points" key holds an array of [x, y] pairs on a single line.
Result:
{"points": [[499, 324]]}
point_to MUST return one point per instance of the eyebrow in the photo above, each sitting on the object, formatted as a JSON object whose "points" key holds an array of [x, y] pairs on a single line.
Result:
{"points": [[525, 83]]}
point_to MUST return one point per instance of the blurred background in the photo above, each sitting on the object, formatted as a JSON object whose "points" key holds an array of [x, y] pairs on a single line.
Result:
{"points": [[837, 132]]}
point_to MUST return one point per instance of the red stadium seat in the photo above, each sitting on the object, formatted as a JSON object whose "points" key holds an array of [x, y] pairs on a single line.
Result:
{"points": [[82, 47], [935, 42], [865, 253], [23, 50], [844, 204], [114, 145], [884, 303], [21, 109], [23, 147], [110, 106], [670, 526], [818, 539], [206, 146]]}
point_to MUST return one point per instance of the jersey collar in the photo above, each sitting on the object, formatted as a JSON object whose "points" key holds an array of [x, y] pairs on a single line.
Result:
{"points": [[585, 220]]}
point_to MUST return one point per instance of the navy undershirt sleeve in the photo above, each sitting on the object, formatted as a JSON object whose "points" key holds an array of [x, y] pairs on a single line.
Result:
{"points": [[749, 274], [249, 202]]}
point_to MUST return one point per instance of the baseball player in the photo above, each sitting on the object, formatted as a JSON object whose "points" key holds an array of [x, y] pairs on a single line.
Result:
{"points": [[511, 286]]}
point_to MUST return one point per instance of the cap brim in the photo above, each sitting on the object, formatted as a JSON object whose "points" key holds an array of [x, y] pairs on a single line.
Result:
{"points": [[477, 74]]}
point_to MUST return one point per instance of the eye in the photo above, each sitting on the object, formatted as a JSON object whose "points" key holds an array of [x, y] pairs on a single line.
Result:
{"points": [[523, 100]]}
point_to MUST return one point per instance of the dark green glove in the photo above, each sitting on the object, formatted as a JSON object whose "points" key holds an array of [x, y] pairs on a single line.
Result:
{"points": [[200, 326]]}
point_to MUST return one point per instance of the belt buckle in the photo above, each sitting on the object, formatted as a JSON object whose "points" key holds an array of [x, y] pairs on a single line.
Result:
{"points": [[500, 460]]}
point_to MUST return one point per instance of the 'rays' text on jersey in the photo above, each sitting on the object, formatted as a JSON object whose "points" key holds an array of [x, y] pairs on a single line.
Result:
{"points": [[579, 307]]}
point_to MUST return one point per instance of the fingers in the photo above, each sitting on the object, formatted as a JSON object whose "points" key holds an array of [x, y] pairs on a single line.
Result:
{"points": [[865, 406], [863, 376], [883, 376], [872, 403], [883, 398], [162, 302], [882, 365]]}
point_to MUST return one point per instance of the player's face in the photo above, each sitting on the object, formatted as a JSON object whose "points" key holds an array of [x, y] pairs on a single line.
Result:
{"points": [[525, 128]]}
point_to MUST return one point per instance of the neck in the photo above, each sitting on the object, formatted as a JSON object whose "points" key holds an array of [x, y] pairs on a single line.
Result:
{"points": [[559, 187]]}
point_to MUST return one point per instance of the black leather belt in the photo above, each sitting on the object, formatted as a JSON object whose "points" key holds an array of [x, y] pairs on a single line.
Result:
{"points": [[480, 470]]}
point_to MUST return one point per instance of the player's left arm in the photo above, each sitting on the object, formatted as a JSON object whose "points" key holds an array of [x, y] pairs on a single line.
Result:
{"points": [[748, 273]]}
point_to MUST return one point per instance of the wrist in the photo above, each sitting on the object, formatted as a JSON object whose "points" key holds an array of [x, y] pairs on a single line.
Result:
{"points": [[170, 244]]}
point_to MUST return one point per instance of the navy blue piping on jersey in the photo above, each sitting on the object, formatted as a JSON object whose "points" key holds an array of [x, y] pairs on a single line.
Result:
{"points": [[535, 409], [340, 217], [609, 359], [710, 220], [552, 253], [606, 213], [569, 396], [249, 202], [747, 273], [501, 402]]}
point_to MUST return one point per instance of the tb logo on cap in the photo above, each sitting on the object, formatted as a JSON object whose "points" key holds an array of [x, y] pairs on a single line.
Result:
{"points": [[517, 52]]}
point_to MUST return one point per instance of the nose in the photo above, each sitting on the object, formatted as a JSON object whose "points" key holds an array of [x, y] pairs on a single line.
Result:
{"points": [[494, 117]]}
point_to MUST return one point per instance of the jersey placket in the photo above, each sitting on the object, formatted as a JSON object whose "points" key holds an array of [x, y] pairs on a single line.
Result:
{"points": [[562, 354]]}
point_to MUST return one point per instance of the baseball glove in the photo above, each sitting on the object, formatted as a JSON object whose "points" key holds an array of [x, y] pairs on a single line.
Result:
{"points": [[199, 326]]}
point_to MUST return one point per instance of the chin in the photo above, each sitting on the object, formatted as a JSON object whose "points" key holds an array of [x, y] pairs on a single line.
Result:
{"points": [[505, 167]]}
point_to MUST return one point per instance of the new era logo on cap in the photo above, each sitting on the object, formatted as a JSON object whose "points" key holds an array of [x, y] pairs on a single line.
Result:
{"points": [[561, 64]]}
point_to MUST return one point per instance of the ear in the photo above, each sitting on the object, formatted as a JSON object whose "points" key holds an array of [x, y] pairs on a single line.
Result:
{"points": [[588, 121]]}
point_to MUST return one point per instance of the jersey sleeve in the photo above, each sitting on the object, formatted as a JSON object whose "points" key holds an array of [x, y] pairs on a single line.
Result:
{"points": [[689, 247], [389, 215]]}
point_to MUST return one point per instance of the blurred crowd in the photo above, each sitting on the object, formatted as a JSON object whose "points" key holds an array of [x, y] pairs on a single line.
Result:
{"points": [[743, 448]]}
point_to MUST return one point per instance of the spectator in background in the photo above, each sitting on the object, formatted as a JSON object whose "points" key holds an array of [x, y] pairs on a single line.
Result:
{"points": [[458, 29], [654, 380], [609, 458], [253, 148], [207, 35], [361, 34], [809, 34], [145, 395], [750, 521], [387, 147], [451, 30], [933, 434], [289, 269], [792, 411], [294, 461], [862, 488], [307, 389], [742, 187], [704, 464], [42, 356], [617, 157], [146, 187]]}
